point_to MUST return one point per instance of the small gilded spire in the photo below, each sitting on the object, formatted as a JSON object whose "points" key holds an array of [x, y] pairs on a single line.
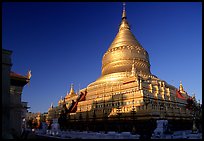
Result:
{"points": [[181, 87], [71, 90]]}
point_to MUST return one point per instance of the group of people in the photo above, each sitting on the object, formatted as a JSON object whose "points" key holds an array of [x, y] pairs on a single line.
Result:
{"points": [[30, 126], [62, 120]]}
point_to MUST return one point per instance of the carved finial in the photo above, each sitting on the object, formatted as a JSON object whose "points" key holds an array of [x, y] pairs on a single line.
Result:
{"points": [[140, 85], [29, 74], [133, 68], [51, 105]]}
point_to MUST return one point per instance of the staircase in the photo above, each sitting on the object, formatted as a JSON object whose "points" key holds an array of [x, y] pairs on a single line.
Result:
{"points": [[73, 107]]}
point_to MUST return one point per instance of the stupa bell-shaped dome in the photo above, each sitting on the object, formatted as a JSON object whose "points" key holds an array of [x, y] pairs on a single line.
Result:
{"points": [[123, 51]]}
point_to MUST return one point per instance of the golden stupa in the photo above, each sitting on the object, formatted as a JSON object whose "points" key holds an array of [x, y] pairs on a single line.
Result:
{"points": [[124, 51], [126, 86]]}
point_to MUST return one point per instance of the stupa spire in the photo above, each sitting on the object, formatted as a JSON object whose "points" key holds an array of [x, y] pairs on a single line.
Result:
{"points": [[72, 89], [124, 24]]}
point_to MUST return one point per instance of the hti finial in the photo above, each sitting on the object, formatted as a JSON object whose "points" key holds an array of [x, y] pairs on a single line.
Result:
{"points": [[124, 6], [124, 12]]}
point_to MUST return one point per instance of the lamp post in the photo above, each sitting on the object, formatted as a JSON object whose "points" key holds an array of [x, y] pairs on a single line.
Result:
{"points": [[80, 120], [105, 121], [194, 129], [74, 127], [133, 114], [119, 114], [69, 123], [133, 118], [87, 119], [94, 118]]}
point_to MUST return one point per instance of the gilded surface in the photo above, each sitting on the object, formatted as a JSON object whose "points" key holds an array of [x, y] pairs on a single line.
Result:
{"points": [[122, 52], [126, 82]]}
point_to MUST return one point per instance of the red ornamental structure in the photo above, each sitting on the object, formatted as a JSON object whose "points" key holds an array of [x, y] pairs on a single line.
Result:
{"points": [[179, 95]]}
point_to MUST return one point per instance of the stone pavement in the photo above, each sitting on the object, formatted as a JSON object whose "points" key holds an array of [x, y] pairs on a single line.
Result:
{"points": [[31, 135]]}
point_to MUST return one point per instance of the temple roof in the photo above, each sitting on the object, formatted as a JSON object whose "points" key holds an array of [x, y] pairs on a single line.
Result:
{"points": [[16, 75], [17, 79]]}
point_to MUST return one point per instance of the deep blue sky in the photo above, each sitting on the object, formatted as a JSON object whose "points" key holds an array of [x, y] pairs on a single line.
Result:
{"points": [[63, 43]]}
